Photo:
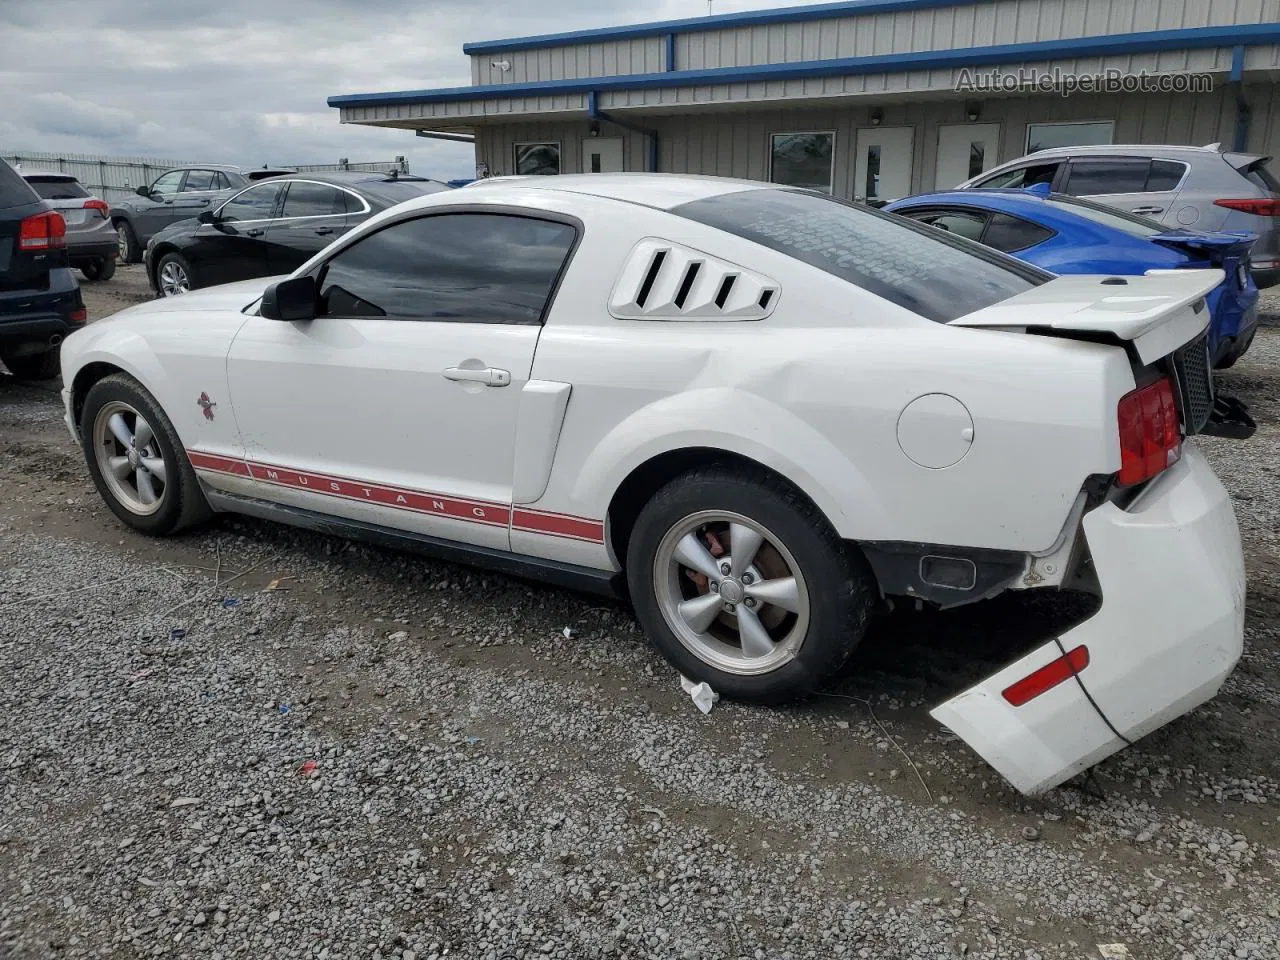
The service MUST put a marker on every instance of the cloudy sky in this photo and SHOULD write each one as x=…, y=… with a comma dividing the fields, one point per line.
x=245, y=81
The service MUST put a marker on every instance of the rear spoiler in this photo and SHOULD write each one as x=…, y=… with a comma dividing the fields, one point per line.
x=1213, y=247
x=1242, y=161
x=1157, y=313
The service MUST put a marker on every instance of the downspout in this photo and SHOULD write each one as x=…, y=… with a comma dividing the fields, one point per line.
x=1241, y=140
x=595, y=113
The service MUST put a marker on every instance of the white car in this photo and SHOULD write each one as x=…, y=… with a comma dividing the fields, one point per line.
x=756, y=410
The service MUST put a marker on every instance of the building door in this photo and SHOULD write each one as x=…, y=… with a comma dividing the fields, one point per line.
x=964, y=151
x=883, y=167
x=602, y=155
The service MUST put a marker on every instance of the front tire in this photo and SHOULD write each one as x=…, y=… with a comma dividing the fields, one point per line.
x=35, y=366
x=137, y=461
x=99, y=270
x=127, y=243
x=739, y=581
x=173, y=275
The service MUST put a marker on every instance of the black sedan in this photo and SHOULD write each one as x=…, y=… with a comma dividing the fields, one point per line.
x=272, y=227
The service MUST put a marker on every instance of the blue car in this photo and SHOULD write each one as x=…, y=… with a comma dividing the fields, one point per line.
x=1069, y=235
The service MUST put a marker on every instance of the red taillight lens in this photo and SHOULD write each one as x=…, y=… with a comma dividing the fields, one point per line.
x=1259, y=206
x=1047, y=677
x=44, y=231
x=1150, y=437
x=99, y=205
x=79, y=315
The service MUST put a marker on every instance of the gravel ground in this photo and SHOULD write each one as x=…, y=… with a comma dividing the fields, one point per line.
x=253, y=742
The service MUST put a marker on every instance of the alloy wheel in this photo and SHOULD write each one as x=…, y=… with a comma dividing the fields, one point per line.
x=174, y=279
x=731, y=592
x=129, y=458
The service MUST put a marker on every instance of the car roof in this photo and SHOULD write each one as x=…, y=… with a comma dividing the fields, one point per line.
x=47, y=174
x=349, y=177
x=662, y=191
x=1129, y=150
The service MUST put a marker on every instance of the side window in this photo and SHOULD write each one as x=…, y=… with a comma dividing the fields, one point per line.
x=955, y=222
x=468, y=268
x=256, y=203
x=1088, y=178
x=199, y=180
x=168, y=184
x=1022, y=177
x=306, y=199
x=1165, y=175
x=1011, y=234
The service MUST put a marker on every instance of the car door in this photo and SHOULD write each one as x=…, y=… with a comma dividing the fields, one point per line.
x=197, y=193
x=233, y=247
x=153, y=210
x=1134, y=184
x=314, y=215
x=397, y=405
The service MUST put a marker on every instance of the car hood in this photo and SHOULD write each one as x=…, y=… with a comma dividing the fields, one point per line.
x=228, y=296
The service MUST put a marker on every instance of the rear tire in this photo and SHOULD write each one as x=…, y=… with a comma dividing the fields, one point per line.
x=127, y=243
x=137, y=461
x=99, y=270
x=770, y=631
x=34, y=366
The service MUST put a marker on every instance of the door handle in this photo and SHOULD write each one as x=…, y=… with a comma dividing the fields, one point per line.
x=489, y=376
x=324, y=230
x=255, y=232
x=1147, y=210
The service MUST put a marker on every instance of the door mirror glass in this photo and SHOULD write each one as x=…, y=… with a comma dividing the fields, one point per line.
x=143, y=191
x=292, y=299
x=207, y=216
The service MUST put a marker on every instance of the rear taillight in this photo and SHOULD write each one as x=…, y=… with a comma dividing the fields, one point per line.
x=44, y=231
x=1150, y=436
x=1047, y=677
x=79, y=315
x=99, y=205
x=1259, y=206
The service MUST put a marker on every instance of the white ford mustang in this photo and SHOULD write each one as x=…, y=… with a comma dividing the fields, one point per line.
x=756, y=410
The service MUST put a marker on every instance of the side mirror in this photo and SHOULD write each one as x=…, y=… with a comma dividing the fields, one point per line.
x=207, y=216
x=292, y=299
x=144, y=191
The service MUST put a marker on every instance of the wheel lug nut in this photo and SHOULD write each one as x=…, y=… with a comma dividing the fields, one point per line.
x=730, y=607
x=747, y=578
x=724, y=568
x=715, y=587
x=750, y=602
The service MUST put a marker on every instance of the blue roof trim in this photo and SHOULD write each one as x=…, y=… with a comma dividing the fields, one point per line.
x=822, y=11
x=1193, y=38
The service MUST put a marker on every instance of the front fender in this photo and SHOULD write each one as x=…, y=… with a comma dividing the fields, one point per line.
x=747, y=425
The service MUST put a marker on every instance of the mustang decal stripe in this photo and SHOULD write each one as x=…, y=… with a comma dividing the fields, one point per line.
x=414, y=501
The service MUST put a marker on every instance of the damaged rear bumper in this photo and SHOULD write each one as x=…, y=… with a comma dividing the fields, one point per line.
x=1169, y=632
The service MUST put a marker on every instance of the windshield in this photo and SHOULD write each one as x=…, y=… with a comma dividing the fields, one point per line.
x=912, y=265
x=57, y=188
x=1130, y=223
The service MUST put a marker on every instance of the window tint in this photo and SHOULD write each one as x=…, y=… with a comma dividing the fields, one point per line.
x=57, y=188
x=314, y=200
x=1097, y=177
x=14, y=191
x=1130, y=223
x=1010, y=233
x=909, y=264
x=802, y=160
x=1165, y=175
x=200, y=180
x=955, y=222
x=391, y=192
x=469, y=268
x=537, y=159
x=1022, y=177
x=256, y=203
x=168, y=183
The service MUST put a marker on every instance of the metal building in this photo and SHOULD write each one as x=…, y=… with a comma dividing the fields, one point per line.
x=868, y=98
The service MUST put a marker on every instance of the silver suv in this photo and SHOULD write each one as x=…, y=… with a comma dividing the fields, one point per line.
x=1203, y=188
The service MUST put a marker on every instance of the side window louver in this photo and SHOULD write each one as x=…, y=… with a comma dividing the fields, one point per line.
x=667, y=281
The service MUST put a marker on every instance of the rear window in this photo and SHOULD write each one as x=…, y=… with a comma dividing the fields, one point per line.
x=14, y=191
x=54, y=188
x=392, y=192
x=912, y=265
x=1130, y=223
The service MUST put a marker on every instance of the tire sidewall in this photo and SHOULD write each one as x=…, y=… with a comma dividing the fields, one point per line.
x=840, y=598
x=130, y=242
x=122, y=388
x=174, y=257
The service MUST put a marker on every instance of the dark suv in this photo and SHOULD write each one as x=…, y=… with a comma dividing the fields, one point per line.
x=40, y=300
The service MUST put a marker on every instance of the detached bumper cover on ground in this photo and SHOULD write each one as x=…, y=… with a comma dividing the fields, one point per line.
x=1169, y=632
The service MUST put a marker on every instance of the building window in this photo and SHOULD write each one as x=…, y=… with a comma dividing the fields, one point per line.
x=1043, y=136
x=802, y=160
x=537, y=159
